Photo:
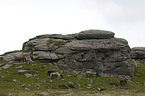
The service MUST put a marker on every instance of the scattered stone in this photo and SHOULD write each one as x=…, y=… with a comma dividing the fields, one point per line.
x=70, y=89
x=91, y=80
x=89, y=85
x=37, y=78
x=19, y=67
x=37, y=71
x=2, y=76
x=79, y=85
x=144, y=83
x=69, y=76
x=101, y=89
x=28, y=75
x=14, y=80
x=18, y=83
x=22, y=70
x=70, y=82
x=37, y=85
x=35, y=75
x=27, y=88
x=2, y=65
x=51, y=81
x=6, y=66
x=22, y=85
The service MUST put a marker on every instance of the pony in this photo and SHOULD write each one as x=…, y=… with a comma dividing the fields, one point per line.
x=55, y=74
x=123, y=82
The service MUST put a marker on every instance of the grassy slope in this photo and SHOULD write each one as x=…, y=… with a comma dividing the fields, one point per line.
x=43, y=84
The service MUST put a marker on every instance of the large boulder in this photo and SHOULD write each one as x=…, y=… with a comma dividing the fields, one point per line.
x=8, y=58
x=95, y=50
x=95, y=34
x=138, y=53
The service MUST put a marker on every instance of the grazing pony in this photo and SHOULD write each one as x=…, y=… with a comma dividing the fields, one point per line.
x=49, y=72
x=123, y=82
x=55, y=74
x=22, y=59
x=90, y=74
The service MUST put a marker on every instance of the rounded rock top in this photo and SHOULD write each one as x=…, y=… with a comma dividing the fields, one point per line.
x=95, y=34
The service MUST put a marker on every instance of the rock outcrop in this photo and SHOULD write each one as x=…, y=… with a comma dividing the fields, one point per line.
x=138, y=53
x=95, y=50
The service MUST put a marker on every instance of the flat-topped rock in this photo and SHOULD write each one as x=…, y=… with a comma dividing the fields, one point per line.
x=95, y=34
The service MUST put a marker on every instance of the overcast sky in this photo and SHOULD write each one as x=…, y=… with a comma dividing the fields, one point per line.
x=21, y=20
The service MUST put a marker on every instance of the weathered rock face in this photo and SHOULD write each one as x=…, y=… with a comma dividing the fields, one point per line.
x=105, y=56
x=138, y=53
x=7, y=58
x=95, y=50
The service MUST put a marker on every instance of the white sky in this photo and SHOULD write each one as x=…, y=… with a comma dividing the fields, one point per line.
x=21, y=20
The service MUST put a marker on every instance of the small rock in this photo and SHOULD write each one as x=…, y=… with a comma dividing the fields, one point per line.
x=27, y=88
x=19, y=67
x=91, y=80
x=70, y=82
x=69, y=76
x=144, y=83
x=22, y=70
x=23, y=85
x=28, y=75
x=18, y=83
x=51, y=80
x=101, y=89
x=89, y=85
x=35, y=75
x=14, y=80
x=2, y=65
x=37, y=78
x=37, y=85
x=2, y=76
x=6, y=66
x=37, y=71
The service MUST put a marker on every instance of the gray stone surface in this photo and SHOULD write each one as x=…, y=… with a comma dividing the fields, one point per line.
x=95, y=34
x=1, y=57
x=6, y=66
x=43, y=44
x=42, y=55
x=28, y=75
x=95, y=50
x=138, y=53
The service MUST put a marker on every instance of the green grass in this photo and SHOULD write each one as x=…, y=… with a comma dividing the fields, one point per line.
x=111, y=84
x=57, y=43
x=15, y=51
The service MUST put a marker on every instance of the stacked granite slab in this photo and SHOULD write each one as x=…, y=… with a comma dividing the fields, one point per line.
x=96, y=50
